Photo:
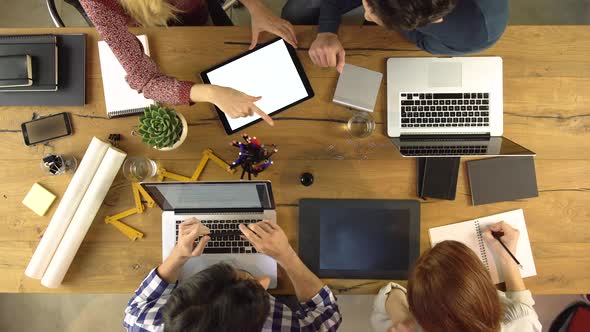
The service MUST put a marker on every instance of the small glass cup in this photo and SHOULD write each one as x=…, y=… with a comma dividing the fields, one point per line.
x=57, y=164
x=361, y=124
x=139, y=168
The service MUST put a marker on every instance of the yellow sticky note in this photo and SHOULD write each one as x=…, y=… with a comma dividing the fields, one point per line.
x=39, y=199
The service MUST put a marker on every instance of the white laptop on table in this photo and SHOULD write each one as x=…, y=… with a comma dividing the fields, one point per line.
x=221, y=206
x=450, y=106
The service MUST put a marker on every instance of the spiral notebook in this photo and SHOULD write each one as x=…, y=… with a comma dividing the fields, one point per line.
x=470, y=233
x=120, y=99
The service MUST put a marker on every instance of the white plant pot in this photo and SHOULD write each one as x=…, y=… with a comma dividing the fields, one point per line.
x=182, y=136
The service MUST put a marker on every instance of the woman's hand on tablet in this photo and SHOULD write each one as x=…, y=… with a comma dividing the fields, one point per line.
x=233, y=103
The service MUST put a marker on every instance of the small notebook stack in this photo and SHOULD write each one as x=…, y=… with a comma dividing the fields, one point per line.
x=470, y=233
x=28, y=63
x=437, y=177
x=15, y=71
x=120, y=99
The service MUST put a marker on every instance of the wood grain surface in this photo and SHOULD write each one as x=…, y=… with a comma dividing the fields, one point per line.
x=546, y=98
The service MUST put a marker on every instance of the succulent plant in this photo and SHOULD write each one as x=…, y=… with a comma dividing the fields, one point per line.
x=159, y=126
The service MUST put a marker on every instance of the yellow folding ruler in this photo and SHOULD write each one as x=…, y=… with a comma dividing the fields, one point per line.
x=139, y=193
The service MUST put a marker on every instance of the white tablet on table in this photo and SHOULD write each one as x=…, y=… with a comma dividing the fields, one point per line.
x=272, y=71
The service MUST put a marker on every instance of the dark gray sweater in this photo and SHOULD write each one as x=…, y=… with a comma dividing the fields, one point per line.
x=472, y=26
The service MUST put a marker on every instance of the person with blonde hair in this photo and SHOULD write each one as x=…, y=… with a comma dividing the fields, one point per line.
x=113, y=17
x=449, y=289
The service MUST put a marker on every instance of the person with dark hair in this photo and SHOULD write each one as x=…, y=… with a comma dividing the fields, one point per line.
x=448, y=27
x=222, y=298
x=449, y=289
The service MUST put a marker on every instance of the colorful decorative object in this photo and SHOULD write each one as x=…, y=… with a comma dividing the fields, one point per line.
x=253, y=157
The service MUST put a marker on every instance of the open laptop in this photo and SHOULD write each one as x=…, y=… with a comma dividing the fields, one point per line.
x=221, y=206
x=449, y=106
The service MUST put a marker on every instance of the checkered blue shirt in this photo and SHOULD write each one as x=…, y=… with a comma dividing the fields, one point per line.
x=320, y=313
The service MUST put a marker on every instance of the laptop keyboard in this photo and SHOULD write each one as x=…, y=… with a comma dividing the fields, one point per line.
x=227, y=244
x=422, y=110
x=443, y=150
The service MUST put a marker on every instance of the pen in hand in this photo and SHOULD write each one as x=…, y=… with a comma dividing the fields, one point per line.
x=497, y=236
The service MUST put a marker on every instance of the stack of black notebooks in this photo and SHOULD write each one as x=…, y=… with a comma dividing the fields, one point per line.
x=42, y=70
x=31, y=56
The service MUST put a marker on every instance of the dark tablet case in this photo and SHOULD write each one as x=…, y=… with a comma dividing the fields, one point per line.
x=71, y=78
x=310, y=238
x=438, y=178
x=502, y=179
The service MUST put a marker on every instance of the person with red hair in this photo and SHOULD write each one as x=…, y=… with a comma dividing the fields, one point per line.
x=449, y=289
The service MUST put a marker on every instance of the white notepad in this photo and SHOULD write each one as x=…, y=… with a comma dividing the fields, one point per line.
x=120, y=98
x=470, y=233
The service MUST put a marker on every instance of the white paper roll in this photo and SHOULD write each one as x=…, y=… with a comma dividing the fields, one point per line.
x=72, y=239
x=66, y=209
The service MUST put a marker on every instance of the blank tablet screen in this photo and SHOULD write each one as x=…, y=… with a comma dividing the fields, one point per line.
x=364, y=239
x=268, y=72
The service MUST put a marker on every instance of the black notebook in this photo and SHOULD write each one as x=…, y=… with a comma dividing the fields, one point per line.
x=43, y=52
x=502, y=179
x=437, y=177
x=72, y=78
x=15, y=71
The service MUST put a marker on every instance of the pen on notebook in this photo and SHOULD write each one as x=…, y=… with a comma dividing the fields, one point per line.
x=497, y=236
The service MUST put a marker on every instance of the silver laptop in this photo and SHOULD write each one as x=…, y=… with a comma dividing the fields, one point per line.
x=221, y=206
x=449, y=106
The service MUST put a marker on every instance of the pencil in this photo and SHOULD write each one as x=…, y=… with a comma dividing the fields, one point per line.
x=508, y=251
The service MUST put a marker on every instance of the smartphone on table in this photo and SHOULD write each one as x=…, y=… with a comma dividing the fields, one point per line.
x=46, y=128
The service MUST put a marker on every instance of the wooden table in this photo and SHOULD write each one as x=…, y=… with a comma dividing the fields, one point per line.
x=546, y=98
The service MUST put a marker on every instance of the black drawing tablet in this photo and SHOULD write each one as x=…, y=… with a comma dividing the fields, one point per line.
x=359, y=239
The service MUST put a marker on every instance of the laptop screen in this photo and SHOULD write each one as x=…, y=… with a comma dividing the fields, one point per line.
x=211, y=195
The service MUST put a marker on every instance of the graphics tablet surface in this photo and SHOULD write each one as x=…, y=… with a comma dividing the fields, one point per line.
x=359, y=239
x=271, y=71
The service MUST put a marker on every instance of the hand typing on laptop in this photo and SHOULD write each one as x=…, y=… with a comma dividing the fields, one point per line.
x=269, y=239
x=220, y=296
x=185, y=248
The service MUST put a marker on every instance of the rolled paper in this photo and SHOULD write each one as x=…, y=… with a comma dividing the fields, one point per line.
x=66, y=209
x=85, y=214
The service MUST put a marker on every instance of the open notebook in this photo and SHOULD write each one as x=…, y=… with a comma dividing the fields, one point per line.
x=470, y=233
x=120, y=99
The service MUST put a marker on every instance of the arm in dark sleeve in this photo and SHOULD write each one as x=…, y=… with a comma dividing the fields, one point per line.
x=330, y=14
x=431, y=44
x=111, y=21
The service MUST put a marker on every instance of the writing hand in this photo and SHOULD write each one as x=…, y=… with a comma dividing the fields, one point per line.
x=507, y=233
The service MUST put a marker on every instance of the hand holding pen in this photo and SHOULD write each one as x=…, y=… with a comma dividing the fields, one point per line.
x=503, y=239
